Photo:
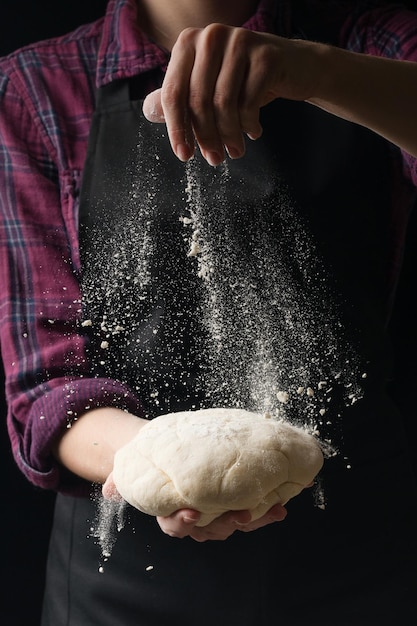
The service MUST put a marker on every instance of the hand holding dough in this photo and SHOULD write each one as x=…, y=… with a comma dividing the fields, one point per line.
x=213, y=461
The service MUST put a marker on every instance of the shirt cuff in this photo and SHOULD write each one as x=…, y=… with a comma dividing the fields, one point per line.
x=51, y=414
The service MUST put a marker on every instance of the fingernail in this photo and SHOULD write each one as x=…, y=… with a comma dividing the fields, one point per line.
x=183, y=152
x=279, y=518
x=233, y=152
x=213, y=158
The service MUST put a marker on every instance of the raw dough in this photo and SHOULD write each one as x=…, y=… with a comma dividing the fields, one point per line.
x=215, y=460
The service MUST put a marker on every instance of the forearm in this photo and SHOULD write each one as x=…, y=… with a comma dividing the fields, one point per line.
x=375, y=92
x=87, y=448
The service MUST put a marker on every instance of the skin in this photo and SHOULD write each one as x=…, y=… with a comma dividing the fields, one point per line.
x=88, y=450
x=218, y=78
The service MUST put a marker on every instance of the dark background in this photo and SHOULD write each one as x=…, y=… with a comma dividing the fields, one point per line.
x=26, y=511
x=26, y=21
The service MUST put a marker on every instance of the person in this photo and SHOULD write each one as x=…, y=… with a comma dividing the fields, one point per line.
x=101, y=307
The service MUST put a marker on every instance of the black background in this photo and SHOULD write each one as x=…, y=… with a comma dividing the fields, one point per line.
x=26, y=511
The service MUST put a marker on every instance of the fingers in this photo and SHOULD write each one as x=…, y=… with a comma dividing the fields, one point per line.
x=218, y=79
x=277, y=513
x=232, y=521
x=222, y=527
x=213, y=102
x=182, y=523
x=175, y=95
x=152, y=107
x=109, y=490
x=213, y=89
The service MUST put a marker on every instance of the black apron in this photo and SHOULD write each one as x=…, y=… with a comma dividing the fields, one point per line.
x=292, y=258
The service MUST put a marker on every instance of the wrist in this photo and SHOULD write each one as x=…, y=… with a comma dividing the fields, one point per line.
x=87, y=448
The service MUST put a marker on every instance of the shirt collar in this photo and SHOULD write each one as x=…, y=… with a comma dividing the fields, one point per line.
x=126, y=51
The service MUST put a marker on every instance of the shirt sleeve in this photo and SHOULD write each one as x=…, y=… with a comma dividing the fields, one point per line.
x=389, y=32
x=44, y=349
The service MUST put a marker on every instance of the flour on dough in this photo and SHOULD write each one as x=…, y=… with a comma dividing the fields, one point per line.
x=215, y=460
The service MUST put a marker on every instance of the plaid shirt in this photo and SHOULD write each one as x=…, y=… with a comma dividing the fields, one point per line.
x=46, y=104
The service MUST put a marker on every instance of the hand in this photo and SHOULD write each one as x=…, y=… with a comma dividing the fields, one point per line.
x=109, y=490
x=218, y=79
x=182, y=523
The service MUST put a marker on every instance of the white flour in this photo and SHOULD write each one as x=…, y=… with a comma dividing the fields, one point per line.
x=274, y=339
x=109, y=521
x=276, y=343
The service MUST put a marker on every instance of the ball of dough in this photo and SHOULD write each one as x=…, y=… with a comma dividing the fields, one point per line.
x=215, y=460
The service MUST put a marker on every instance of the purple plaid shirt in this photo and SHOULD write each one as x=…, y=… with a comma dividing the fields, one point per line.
x=46, y=104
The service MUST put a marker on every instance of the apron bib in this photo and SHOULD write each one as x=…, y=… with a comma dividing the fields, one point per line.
x=245, y=285
x=195, y=277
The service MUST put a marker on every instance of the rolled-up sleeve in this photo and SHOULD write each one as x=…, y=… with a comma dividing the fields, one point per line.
x=43, y=343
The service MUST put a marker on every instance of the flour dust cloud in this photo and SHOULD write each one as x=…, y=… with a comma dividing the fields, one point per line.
x=205, y=289
x=275, y=340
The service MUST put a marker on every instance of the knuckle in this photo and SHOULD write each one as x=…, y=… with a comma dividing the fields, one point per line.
x=188, y=36
x=241, y=43
x=199, y=102
x=214, y=33
x=224, y=102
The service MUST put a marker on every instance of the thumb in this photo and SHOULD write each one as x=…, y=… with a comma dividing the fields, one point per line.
x=109, y=490
x=152, y=107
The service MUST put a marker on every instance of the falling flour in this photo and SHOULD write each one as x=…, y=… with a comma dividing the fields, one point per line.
x=273, y=340
x=276, y=343
x=110, y=519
